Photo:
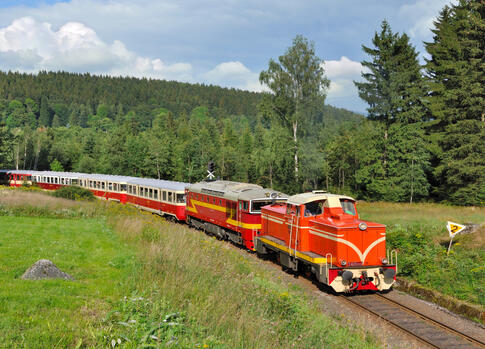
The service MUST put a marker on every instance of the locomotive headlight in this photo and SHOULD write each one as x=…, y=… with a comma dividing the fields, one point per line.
x=362, y=226
x=384, y=261
x=343, y=262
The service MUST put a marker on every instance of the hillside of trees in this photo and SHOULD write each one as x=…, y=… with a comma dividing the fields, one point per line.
x=150, y=128
x=422, y=140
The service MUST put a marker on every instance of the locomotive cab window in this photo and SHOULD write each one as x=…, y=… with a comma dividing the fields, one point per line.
x=257, y=204
x=348, y=206
x=314, y=208
x=293, y=210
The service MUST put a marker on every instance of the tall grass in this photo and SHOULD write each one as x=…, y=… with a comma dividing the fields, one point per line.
x=419, y=233
x=142, y=282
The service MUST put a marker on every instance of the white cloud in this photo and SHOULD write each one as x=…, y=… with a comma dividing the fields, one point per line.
x=234, y=74
x=342, y=67
x=342, y=73
x=28, y=45
x=423, y=13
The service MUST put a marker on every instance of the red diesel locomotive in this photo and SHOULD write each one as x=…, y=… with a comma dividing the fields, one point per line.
x=322, y=234
x=229, y=210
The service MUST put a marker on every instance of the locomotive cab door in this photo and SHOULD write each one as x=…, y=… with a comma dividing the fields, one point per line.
x=292, y=223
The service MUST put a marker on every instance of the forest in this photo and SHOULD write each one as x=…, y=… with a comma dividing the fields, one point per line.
x=423, y=138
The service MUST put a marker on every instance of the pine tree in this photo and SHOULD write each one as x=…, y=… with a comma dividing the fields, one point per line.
x=45, y=114
x=394, y=89
x=456, y=72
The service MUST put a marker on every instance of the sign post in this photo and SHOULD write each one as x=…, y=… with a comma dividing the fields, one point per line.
x=453, y=229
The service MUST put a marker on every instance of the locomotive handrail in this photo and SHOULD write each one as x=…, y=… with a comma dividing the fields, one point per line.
x=291, y=233
x=394, y=260
x=327, y=266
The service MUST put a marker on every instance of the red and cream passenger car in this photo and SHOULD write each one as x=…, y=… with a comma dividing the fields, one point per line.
x=166, y=198
x=321, y=233
x=229, y=210
x=50, y=180
x=17, y=178
x=103, y=186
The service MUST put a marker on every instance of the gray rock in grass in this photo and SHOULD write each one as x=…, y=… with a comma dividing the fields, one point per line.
x=45, y=269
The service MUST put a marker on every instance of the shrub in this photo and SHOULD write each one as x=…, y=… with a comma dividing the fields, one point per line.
x=74, y=193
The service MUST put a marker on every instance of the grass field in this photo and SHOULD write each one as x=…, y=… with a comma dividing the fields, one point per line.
x=55, y=313
x=142, y=282
x=419, y=233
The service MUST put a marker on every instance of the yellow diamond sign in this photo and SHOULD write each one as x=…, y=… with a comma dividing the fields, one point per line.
x=454, y=228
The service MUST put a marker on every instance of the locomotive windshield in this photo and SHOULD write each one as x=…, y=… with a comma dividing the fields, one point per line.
x=257, y=204
x=348, y=206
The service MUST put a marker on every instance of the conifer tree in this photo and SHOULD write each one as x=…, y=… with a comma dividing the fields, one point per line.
x=45, y=115
x=394, y=89
x=456, y=72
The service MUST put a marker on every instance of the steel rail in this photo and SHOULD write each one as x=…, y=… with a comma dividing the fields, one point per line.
x=403, y=325
x=447, y=328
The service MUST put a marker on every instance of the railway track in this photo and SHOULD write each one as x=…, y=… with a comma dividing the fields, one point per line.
x=427, y=330
x=421, y=327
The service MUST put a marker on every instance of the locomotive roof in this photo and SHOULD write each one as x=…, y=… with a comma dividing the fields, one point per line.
x=304, y=198
x=158, y=183
x=234, y=190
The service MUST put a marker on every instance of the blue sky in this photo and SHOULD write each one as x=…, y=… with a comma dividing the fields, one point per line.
x=214, y=41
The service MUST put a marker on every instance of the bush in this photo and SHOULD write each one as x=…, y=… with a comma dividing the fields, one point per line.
x=74, y=193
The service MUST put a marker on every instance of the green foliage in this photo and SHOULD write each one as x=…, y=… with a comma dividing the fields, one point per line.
x=457, y=85
x=396, y=163
x=74, y=193
x=56, y=166
x=298, y=86
x=418, y=232
x=45, y=114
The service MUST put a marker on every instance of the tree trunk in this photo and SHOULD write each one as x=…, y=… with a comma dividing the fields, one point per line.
x=412, y=182
x=295, y=140
x=37, y=153
x=25, y=152
x=270, y=175
x=17, y=157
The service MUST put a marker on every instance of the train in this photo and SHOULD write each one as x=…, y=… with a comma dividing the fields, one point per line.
x=314, y=233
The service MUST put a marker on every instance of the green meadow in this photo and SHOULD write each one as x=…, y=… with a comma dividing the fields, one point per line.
x=142, y=282
x=419, y=233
